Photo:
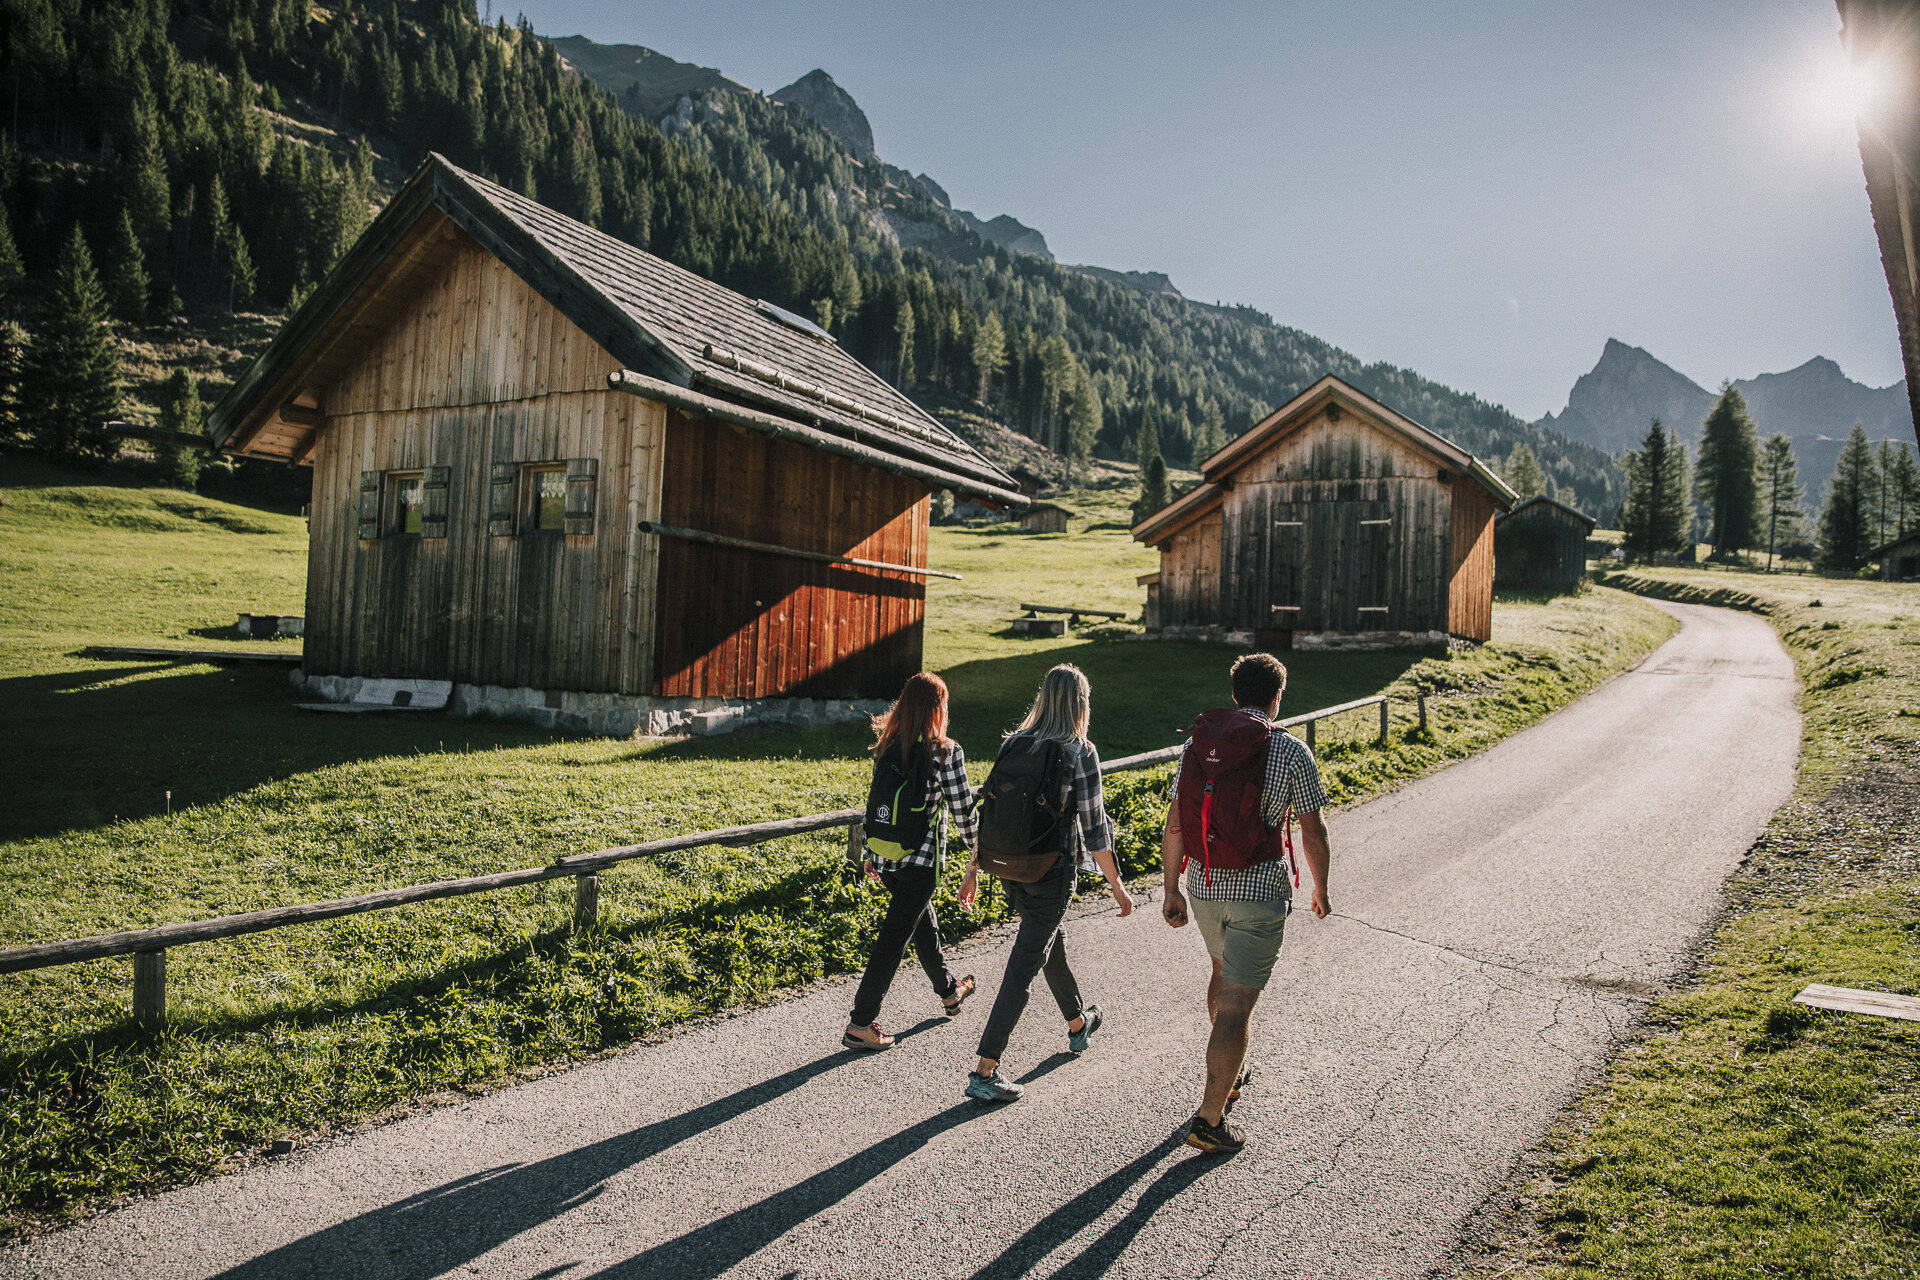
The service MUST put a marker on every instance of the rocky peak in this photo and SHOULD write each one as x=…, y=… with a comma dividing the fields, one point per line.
x=816, y=94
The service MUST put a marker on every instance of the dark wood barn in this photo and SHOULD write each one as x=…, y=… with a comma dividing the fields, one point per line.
x=1541, y=545
x=1335, y=521
x=1899, y=559
x=1044, y=517
x=538, y=454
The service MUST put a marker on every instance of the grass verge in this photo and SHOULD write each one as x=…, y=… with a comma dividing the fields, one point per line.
x=1745, y=1135
x=307, y=1029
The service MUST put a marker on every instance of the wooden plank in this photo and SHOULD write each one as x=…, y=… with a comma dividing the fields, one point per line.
x=1879, y=1004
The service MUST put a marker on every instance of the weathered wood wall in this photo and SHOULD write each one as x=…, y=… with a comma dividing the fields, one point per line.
x=1543, y=548
x=478, y=370
x=748, y=624
x=1190, y=575
x=1470, y=592
x=1339, y=526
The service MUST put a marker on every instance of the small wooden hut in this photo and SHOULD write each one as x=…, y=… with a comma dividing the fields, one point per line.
x=1541, y=545
x=582, y=482
x=1899, y=559
x=1335, y=522
x=1044, y=517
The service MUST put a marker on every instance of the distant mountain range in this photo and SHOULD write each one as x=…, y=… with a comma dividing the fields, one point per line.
x=1814, y=405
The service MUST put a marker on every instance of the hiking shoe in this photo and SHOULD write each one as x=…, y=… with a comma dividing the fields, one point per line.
x=993, y=1088
x=1240, y=1082
x=869, y=1037
x=1089, y=1023
x=1221, y=1139
x=962, y=988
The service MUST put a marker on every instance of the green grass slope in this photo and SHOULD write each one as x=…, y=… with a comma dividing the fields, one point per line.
x=306, y=1029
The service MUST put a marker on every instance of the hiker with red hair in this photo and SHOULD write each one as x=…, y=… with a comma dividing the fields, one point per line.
x=919, y=777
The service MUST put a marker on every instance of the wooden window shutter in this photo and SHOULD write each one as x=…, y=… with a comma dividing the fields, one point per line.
x=433, y=502
x=369, y=505
x=583, y=476
x=500, y=506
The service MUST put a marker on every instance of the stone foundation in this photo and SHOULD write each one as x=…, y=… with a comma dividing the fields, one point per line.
x=620, y=715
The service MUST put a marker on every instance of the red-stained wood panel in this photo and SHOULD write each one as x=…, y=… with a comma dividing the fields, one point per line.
x=1470, y=586
x=747, y=624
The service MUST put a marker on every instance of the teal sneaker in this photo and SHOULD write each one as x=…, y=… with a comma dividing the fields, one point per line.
x=1090, y=1023
x=993, y=1088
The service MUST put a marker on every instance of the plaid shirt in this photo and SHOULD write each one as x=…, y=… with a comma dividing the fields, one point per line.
x=1292, y=782
x=950, y=792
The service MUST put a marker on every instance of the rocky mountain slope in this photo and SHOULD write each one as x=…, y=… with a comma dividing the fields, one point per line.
x=1813, y=405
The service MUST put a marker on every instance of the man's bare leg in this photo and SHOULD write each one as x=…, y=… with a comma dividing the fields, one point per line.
x=1213, y=990
x=1227, y=1046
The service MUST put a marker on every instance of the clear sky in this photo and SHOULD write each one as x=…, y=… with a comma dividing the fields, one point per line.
x=1483, y=192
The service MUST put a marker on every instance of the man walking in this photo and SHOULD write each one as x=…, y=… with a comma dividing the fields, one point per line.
x=1237, y=886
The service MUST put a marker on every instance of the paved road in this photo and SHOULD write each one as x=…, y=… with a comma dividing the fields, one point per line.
x=1497, y=925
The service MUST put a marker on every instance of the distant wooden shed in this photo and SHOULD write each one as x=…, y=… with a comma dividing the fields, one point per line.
x=1334, y=522
x=1044, y=517
x=1899, y=559
x=1541, y=545
x=568, y=475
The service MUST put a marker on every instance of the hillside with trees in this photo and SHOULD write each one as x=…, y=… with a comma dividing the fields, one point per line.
x=217, y=156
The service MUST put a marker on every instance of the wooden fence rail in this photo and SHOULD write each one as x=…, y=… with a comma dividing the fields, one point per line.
x=149, y=946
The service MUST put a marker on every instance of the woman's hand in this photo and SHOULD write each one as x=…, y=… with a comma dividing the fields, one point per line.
x=969, y=887
x=873, y=872
x=1121, y=898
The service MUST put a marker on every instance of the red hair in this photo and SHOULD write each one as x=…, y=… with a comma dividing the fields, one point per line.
x=920, y=712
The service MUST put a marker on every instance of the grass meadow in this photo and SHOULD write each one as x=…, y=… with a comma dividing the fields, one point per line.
x=307, y=1029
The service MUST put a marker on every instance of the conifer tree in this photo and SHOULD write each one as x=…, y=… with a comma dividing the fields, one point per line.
x=70, y=376
x=903, y=343
x=1656, y=517
x=1211, y=437
x=989, y=353
x=142, y=180
x=1905, y=477
x=1725, y=479
x=13, y=345
x=1522, y=472
x=1780, y=493
x=180, y=413
x=12, y=269
x=1845, y=522
x=1154, y=491
x=1886, y=491
x=128, y=282
x=1084, y=414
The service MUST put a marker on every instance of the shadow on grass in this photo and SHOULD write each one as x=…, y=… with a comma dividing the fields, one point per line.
x=106, y=741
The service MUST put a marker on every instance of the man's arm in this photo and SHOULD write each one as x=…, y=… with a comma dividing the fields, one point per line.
x=1173, y=852
x=1313, y=834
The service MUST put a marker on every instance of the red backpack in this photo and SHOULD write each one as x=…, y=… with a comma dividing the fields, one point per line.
x=1223, y=773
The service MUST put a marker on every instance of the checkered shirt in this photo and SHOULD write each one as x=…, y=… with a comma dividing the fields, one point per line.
x=1293, y=781
x=949, y=792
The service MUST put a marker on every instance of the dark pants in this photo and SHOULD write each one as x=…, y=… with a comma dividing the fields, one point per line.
x=909, y=919
x=1039, y=947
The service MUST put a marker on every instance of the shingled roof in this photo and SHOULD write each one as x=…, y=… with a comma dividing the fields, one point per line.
x=660, y=321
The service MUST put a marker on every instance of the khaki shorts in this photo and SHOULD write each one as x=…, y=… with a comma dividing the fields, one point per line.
x=1243, y=936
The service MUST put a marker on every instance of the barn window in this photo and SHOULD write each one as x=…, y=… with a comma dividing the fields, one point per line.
x=405, y=503
x=547, y=494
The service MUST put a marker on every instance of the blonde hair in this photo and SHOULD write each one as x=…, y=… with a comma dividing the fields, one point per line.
x=1061, y=708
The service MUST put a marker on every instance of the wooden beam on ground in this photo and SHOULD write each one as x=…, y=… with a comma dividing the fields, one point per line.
x=1879, y=1004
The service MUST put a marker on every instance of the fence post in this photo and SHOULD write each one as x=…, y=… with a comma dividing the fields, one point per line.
x=1383, y=722
x=1310, y=725
x=1423, y=712
x=150, y=989
x=586, y=901
x=856, y=841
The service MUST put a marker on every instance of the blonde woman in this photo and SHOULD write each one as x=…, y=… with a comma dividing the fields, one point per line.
x=1058, y=719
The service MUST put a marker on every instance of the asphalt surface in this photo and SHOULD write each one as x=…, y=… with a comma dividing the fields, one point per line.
x=1496, y=926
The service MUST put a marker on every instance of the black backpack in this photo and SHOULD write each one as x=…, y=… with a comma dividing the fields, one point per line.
x=1025, y=806
x=899, y=803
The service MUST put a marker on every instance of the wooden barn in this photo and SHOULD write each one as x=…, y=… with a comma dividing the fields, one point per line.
x=1335, y=522
x=1900, y=559
x=1541, y=545
x=588, y=486
x=1044, y=517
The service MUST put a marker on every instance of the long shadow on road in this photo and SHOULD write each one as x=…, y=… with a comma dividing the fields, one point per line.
x=439, y=1230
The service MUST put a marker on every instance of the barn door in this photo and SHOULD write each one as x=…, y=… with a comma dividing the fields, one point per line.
x=1286, y=561
x=1375, y=605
